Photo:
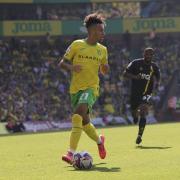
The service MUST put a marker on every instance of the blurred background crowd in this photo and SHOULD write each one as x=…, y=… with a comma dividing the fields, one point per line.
x=56, y=11
x=33, y=87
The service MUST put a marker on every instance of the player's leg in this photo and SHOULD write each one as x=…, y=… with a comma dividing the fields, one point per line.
x=135, y=115
x=82, y=103
x=134, y=108
x=74, y=137
x=135, y=103
x=90, y=130
x=88, y=127
x=142, y=123
x=76, y=130
x=89, y=99
x=77, y=125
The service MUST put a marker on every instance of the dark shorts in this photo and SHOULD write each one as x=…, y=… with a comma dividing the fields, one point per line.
x=137, y=100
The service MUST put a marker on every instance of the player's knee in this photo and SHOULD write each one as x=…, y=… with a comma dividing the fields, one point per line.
x=85, y=121
x=77, y=120
x=143, y=110
x=82, y=109
x=143, y=113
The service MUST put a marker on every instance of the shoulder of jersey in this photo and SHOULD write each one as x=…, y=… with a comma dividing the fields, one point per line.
x=153, y=63
x=137, y=60
x=78, y=41
x=102, y=46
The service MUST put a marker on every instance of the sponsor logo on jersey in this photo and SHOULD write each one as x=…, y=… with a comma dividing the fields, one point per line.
x=145, y=76
x=88, y=57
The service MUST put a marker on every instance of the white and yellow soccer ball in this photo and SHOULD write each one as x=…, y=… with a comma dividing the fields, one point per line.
x=82, y=160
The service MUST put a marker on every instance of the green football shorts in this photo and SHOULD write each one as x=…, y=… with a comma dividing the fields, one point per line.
x=83, y=97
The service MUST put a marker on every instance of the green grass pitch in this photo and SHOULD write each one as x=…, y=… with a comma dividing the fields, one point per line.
x=38, y=156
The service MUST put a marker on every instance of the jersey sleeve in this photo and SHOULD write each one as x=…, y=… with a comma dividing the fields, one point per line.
x=105, y=57
x=131, y=67
x=70, y=52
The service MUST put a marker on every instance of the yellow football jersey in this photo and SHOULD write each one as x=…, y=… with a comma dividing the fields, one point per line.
x=90, y=57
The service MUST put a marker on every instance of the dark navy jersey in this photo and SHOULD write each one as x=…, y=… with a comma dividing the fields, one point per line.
x=144, y=85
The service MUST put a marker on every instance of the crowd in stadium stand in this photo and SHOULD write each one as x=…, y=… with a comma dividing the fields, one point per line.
x=34, y=88
x=164, y=8
x=79, y=10
x=61, y=11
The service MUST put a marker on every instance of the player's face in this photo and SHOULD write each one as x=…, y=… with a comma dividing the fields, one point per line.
x=98, y=32
x=148, y=55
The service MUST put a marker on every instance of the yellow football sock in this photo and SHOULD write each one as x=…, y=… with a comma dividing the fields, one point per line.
x=76, y=131
x=90, y=130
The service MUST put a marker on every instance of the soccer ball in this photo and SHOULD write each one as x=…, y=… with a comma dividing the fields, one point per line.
x=82, y=160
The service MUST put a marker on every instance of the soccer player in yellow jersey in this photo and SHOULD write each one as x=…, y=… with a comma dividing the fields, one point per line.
x=85, y=58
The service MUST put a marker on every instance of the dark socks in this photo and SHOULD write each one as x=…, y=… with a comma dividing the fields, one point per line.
x=142, y=124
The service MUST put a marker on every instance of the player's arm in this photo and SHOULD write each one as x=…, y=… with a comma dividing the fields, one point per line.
x=129, y=72
x=65, y=64
x=130, y=75
x=104, y=67
x=67, y=61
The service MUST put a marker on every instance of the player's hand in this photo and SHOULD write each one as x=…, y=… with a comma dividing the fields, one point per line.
x=76, y=68
x=144, y=109
x=104, y=68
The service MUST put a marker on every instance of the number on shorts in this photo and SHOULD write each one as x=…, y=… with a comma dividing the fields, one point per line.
x=84, y=97
x=146, y=98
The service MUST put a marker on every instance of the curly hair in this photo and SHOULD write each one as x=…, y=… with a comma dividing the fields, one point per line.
x=93, y=19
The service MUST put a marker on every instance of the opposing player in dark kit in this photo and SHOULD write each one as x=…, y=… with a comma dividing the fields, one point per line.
x=145, y=75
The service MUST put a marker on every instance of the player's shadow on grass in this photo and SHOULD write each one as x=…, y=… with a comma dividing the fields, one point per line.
x=96, y=167
x=153, y=147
